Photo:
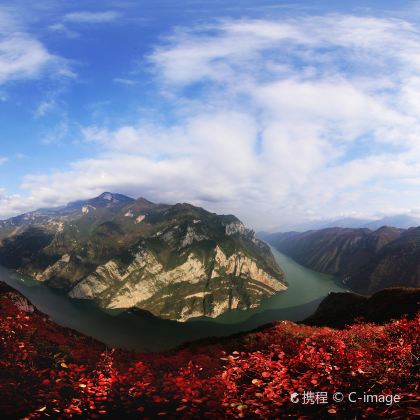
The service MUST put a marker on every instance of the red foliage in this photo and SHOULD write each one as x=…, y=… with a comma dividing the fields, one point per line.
x=46, y=370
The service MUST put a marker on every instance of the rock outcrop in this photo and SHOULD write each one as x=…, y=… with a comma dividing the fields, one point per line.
x=239, y=265
x=235, y=227
x=146, y=284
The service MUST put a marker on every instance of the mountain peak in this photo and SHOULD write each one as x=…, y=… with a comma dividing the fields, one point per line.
x=113, y=197
x=106, y=199
x=144, y=201
x=107, y=196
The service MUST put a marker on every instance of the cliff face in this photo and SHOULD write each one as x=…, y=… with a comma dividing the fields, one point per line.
x=177, y=262
x=366, y=261
x=188, y=290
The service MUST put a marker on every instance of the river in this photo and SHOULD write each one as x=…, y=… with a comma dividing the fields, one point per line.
x=137, y=331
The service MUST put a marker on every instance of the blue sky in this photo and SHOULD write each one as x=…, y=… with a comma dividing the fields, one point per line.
x=276, y=111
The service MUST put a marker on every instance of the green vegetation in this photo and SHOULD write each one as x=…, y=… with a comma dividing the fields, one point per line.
x=160, y=258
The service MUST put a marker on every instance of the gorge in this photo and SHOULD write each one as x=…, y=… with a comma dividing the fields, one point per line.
x=140, y=331
x=176, y=262
x=365, y=260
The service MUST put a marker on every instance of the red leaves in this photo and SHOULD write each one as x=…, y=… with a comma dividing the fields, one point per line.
x=362, y=357
x=48, y=370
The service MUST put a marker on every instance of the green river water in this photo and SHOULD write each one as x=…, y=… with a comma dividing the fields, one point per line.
x=141, y=332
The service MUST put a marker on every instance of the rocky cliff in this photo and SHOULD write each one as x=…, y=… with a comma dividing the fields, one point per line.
x=178, y=262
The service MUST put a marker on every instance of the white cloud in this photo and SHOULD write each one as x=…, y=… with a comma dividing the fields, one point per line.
x=70, y=20
x=61, y=28
x=123, y=81
x=44, y=108
x=92, y=17
x=275, y=121
x=3, y=160
x=22, y=56
x=56, y=134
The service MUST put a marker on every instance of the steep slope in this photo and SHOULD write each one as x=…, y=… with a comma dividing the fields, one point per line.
x=340, y=309
x=334, y=250
x=366, y=261
x=396, y=264
x=177, y=262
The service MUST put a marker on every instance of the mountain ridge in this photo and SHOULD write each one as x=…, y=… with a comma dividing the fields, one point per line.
x=401, y=221
x=366, y=261
x=176, y=261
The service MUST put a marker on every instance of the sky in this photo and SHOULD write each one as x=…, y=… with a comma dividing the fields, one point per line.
x=278, y=112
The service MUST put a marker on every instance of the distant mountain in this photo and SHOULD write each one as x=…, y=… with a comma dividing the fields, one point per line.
x=365, y=260
x=399, y=221
x=176, y=262
x=276, y=238
x=347, y=222
x=106, y=199
x=334, y=250
x=106, y=203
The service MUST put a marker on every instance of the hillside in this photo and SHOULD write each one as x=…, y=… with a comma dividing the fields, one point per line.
x=49, y=371
x=340, y=309
x=366, y=261
x=176, y=262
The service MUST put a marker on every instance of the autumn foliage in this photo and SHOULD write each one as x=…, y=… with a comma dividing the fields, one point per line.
x=50, y=371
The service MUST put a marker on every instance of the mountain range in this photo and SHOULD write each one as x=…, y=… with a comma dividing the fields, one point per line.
x=175, y=261
x=365, y=260
x=402, y=221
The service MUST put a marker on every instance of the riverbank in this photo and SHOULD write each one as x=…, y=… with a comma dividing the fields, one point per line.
x=141, y=332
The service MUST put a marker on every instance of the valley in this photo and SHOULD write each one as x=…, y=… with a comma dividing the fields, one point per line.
x=142, y=332
x=209, y=210
x=366, y=261
x=175, y=261
x=149, y=277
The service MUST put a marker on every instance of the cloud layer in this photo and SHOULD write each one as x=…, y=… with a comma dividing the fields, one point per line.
x=276, y=121
x=22, y=56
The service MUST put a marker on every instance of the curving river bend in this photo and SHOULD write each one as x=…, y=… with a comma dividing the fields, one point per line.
x=141, y=332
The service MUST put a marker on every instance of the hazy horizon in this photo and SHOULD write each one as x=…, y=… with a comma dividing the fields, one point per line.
x=308, y=224
x=280, y=113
